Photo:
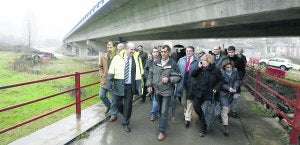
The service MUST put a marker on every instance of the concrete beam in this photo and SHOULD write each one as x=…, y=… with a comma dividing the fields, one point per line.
x=178, y=19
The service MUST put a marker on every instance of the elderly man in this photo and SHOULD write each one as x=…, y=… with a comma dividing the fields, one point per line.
x=120, y=48
x=219, y=57
x=113, y=107
x=124, y=75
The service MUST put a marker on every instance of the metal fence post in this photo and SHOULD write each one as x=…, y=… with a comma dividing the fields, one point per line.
x=296, y=121
x=257, y=86
x=77, y=95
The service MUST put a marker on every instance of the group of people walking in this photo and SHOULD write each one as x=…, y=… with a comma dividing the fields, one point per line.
x=166, y=75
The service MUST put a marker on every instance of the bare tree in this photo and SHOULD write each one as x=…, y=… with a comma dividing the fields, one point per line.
x=29, y=33
x=29, y=29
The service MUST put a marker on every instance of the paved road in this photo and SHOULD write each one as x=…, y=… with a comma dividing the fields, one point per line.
x=144, y=132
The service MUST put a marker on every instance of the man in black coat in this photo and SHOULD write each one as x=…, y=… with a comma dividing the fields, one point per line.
x=239, y=65
x=243, y=62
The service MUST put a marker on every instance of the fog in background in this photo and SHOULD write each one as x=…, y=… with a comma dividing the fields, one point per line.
x=49, y=20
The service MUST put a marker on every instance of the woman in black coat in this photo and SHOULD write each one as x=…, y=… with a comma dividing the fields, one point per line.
x=208, y=82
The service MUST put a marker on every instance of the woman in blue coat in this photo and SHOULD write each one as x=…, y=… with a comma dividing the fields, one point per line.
x=230, y=86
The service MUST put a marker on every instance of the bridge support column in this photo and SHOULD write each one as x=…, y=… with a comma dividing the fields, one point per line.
x=74, y=49
x=82, y=46
x=101, y=46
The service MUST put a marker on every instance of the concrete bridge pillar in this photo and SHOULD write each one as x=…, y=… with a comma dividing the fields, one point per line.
x=100, y=46
x=74, y=48
x=82, y=46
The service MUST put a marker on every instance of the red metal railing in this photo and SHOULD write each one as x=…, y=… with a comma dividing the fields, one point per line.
x=256, y=84
x=77, y=103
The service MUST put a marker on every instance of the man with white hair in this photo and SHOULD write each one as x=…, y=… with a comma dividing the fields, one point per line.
x=124, y=77
x=113, y=107
x=120, y=48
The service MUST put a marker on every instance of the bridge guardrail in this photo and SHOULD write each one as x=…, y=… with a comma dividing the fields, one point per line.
x=90, y=13
x=279, y=94
x=77, y=88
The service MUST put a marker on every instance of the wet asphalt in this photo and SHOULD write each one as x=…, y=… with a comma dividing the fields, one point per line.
x=144, y=131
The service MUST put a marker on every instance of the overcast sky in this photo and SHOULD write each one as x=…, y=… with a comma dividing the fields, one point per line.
x=51, y=19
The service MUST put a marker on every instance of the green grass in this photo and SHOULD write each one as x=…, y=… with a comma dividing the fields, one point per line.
x=260, y=111
x=293, y=76
x=21, y=94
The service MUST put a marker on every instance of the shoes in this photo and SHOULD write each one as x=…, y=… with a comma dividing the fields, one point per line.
x=113, y=118
x=152, y=118
x=173, y=118
x=127, y=128
x=161, y=136
x=201, y=134
x=187, y=124
x=142, y=101
x=234, y=115
x=107, y=111
x=226, y=130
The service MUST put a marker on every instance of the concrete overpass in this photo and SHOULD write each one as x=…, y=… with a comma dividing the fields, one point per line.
x=132, y=20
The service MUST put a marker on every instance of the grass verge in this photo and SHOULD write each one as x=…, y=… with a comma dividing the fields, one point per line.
x=21, y=94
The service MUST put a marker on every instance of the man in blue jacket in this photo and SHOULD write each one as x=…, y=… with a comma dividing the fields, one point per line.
x=186, y=64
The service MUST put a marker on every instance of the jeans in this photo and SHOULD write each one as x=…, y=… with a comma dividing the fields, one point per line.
x=113, y=106
x=103, y=96
x=154, y=107
x=173, y=105
x=164, y=103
